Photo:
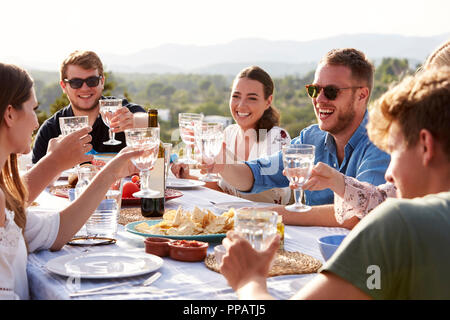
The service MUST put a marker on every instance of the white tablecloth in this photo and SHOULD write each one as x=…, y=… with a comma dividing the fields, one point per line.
x=179, y=280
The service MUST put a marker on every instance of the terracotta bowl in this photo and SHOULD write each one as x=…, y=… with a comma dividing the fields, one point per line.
x=157, y=246
x=191, y=251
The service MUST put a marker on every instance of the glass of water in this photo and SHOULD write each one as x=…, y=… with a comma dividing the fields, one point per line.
x=258, y=227
x=187, y=123
x=67, y=125
x=107, y=109
x=209, y=138
x=103, y=222
x=146, y=139
x=298, y=160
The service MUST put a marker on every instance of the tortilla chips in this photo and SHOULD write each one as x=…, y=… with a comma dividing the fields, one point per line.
x=183, y=223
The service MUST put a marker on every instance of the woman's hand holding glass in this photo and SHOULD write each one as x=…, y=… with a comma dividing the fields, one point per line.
x=187, y=123
x=146, y=140
x=69, y=125
x=209, y=140
x=70, y=150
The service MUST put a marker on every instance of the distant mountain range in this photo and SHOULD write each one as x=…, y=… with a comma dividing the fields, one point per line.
x=277, y=57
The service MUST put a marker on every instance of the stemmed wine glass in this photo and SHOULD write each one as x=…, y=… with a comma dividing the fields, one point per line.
x=298, y=162
x=187, y=122
x=209, y=138
x=107, y=109
x=146, y=139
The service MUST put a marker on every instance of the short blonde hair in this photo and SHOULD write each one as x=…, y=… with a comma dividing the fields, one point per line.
x=419, y=102
x=439, y=57
x=85, y=59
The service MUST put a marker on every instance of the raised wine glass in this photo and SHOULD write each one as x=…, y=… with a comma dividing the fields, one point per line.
x=107, y=109
x=209, y=138
x=144, y=139
x=187, y=122
x=298, y=160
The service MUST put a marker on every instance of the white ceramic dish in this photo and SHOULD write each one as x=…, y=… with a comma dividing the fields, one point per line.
x=241, y=204
x=183, y=183
x=104, y=265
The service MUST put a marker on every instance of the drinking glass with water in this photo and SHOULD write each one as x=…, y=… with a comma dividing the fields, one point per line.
x=256, y=226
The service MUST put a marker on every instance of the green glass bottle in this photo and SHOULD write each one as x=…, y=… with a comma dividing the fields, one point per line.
x=154, y=207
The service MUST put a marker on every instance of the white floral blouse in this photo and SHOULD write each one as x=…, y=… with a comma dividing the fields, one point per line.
x=360, y=198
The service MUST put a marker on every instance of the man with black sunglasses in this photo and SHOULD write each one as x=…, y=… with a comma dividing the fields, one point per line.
x=82, y=80
x=340, y=94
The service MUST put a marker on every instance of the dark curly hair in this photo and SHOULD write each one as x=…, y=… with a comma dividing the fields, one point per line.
x=271, y=116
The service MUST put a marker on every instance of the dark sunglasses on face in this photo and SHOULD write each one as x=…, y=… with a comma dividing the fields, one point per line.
x=331, y=92
x=77, y=83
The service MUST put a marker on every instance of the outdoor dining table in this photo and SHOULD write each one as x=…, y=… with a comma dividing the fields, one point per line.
x=179, y=280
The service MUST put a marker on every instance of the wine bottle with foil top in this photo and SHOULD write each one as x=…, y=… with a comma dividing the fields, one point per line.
x=154, y=207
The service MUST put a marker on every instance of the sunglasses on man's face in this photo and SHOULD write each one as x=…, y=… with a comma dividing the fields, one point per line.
x=331, y=92
x=77, y=83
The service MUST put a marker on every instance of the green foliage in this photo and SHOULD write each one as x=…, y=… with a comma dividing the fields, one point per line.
x=209, y=94
x=59, y=103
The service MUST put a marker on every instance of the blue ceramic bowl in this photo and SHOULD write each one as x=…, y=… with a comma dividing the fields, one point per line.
x=329, y=244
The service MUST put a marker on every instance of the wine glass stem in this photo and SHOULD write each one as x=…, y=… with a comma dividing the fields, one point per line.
x=143, y=178
x=298, y=193
x=189, y=151
x=111, y=135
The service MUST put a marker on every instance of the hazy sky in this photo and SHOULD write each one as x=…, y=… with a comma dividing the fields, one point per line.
x=47, y=30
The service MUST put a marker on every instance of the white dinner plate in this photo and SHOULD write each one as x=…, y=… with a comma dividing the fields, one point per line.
x=241, y=204
x=183, y=183
x=104, y=265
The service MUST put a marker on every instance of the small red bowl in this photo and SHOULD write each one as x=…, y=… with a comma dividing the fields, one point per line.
x=157, y=246
x=190, y=251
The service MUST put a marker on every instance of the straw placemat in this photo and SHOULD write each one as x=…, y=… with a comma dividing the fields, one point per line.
x=131, y=214
x=286, y=262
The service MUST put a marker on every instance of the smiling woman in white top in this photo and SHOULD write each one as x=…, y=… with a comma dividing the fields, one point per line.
x=256, y=132
x=20, y=230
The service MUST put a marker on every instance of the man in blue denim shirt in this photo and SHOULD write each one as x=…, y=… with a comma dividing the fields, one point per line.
x=340, y=93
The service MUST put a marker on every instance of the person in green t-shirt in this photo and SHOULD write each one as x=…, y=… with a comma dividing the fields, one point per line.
x=400, y=250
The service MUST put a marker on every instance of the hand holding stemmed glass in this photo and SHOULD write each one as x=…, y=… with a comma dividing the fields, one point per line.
x=146, y=139
x=187, y=123
x=209, y=139
x=107, y=109
x=298, y=161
